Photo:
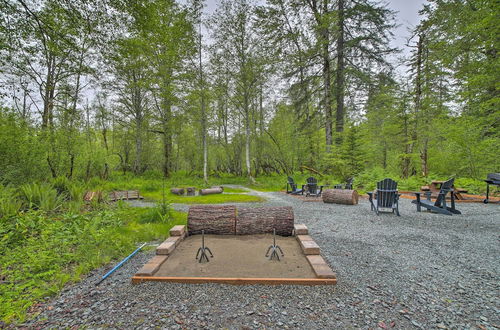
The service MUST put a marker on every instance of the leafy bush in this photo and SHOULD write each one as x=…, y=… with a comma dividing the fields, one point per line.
x=473, y=186
x=10, y=204
x=75, y=191
x=41, y=197
x=161, y=213
x=40, y=255
x=61, y=184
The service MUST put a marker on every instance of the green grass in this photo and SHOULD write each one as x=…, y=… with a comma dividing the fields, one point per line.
x=151, y=186
x=151, y=189
x=42, y=252
x=206, y=199
x=235, y=190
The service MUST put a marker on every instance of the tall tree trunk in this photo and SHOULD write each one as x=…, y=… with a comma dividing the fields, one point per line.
x=138, y=116
x=48, y=95
x=166, y=155
x=167, y=139
x=247, y=139
x=406, y=159
x=327, y=89
x=340, y=76
x=424, y=157
x=324, y=42
x=203, y=115
x=138, y=148
x=418, y=93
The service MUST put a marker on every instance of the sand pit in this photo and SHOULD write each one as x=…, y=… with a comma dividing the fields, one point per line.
x=238, y=259
x=237, y=256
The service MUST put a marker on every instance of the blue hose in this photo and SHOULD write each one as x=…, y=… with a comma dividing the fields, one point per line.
x=120, y=264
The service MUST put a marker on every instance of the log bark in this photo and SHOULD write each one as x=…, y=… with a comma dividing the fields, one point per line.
x=177, y=191
x=214, y=219
x=340, y=196
x=263, y=219
x=210, y=191
x=190, y=191
x=218, y=187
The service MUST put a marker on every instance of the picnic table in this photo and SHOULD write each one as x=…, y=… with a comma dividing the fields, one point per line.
x=435, y=186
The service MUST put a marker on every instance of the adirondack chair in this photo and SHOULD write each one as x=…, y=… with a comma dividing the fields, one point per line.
x=347, y=185
x=312, y=188
x=439, y=205
x=291, y=187
x=386, y=196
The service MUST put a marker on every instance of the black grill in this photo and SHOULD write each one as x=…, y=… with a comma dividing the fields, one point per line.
x=491, y=179
x=494, y=177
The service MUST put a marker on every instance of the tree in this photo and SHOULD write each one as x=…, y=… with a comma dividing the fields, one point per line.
x=234, y=37
x=130, y=83
x=165, y=39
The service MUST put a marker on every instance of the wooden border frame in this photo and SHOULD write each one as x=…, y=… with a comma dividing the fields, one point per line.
x=318, y=268
x=237, y=280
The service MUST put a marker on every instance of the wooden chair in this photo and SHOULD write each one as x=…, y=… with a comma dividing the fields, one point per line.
x=386, y=195
x=347, y=185
x=291, y=187
x=439, y=205
x=312, y=188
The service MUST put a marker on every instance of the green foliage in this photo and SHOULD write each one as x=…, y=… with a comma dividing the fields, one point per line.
x=161, y=213
x=41, y=196
x=10, y=203
x=61, y=184
x=21, y=152
x=439, y=121
x=43, y=253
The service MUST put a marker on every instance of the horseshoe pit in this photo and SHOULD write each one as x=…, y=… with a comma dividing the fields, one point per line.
x=239, y=239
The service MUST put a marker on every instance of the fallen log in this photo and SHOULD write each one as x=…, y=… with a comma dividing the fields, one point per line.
x=340, y=196
x=262, y=220
x=214, y=219
x=190, y=191
x=210, y=191
x=177, y=191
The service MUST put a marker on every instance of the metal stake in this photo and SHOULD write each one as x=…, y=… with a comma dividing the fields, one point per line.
x=202, y=251
x=274, y=248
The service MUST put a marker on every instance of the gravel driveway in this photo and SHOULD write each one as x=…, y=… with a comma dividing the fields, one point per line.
x=419, y=270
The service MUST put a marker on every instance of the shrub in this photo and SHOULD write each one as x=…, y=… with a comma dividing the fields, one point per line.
x=161, y=213
x=41, y=197
x=10, y=204
x=42, y=255
x=61, y=184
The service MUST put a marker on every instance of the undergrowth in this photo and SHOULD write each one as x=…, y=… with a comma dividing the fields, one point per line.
x=41, y=251
x=151, y=186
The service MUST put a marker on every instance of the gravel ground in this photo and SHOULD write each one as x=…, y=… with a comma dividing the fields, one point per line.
x=419, y=270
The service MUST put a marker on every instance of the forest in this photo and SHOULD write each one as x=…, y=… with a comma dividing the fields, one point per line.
x=139, y=94
x=89, y=89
